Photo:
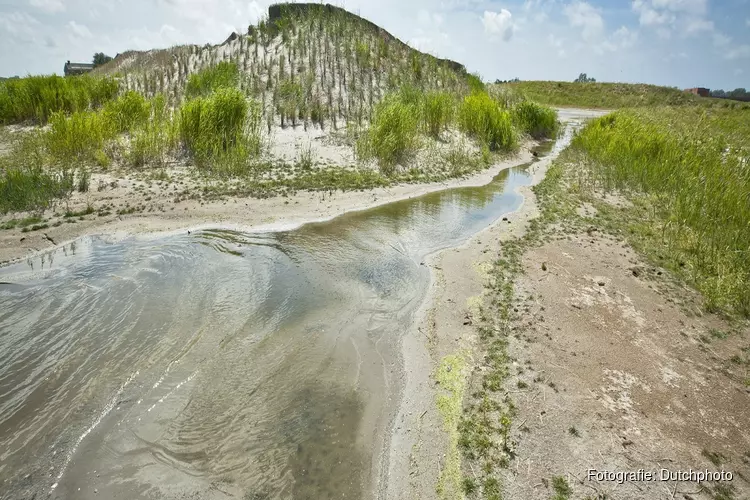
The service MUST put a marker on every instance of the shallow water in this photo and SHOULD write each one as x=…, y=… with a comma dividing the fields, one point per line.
x=220, y=364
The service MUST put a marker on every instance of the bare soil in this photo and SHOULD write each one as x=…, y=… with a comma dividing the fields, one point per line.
x=620, y=374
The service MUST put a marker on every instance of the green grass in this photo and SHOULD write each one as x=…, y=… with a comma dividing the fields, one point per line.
x=222, y=129
x=76, y=138
x=225, y=74
x=25, y=183
x=561, y=488
x=127, y=112
x=687, y=172
x=30, y=188
x=37, y=98
x=438, y=111
x=158, y=136
x=535, y=120
x=612, y=95
x=482, y=117
x=393, y=135
x=451, y=377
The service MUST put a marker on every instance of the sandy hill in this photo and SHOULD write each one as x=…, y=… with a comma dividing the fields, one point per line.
x=307, y=62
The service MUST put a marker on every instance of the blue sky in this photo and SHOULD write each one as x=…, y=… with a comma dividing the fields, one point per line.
x=683, y=43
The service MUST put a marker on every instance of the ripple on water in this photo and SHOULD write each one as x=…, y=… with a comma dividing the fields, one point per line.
x=258, y=365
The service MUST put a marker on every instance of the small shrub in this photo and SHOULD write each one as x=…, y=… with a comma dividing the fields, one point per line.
x=562, y=489
x=84, y=179
x=536, y=120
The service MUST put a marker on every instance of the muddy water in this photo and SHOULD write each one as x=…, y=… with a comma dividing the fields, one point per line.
x=220, y=364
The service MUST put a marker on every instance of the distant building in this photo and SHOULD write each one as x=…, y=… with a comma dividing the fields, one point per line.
x=77, y=68
x=699, y=91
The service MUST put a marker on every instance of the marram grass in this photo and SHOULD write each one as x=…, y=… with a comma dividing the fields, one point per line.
x=534, y=119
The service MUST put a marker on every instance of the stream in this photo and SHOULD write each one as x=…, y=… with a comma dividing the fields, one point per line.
x=222, y=364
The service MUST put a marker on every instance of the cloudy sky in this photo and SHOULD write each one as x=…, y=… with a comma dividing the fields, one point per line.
x=683, y=43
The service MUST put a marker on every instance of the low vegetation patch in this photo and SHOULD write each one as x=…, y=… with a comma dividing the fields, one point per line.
x=482, y=117
x=393, y=136
x=613, y=95
x=224, y=75
x=535, y=120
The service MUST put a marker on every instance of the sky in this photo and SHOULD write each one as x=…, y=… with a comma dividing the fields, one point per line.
x=681, y=43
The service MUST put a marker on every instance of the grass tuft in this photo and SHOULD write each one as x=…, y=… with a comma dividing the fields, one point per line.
x=37, y=98
x=481, y=117
x=540, y=122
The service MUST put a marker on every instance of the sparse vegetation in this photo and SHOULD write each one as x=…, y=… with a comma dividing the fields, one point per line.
x=561, y=488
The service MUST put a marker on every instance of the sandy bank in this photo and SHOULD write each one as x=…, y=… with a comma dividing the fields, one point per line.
x=233, y=213
x=419, y=445
x=445, y=327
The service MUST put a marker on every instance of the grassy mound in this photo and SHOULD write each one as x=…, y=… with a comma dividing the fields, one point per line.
x=612, y=95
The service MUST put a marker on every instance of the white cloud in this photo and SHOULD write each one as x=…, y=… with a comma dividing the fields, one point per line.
x=558, y=44
x=20, y=26
x=499, y=24
x=49, y=6
x=624, y=37
x=721, y=40
x=583, y=15
x=648, y=16
x=79, y=30
x=695, y=26
x=429, y=20
x=697, y=7
x=739, y=52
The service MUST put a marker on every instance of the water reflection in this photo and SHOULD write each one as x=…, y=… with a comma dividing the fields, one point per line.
x=219, y=364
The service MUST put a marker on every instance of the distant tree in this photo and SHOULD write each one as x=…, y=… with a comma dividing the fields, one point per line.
x=583, y=78
x=514, y=80
x=101, y=58
x=739, y=94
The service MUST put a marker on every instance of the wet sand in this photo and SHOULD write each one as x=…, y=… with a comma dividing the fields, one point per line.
x=242, y=214
x=419, y=443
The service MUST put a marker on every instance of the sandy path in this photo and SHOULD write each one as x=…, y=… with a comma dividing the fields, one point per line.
x=419, y=442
